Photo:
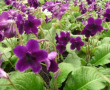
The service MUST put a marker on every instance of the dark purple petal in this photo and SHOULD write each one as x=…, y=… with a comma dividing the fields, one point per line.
x=78, y=39
x=20, y=51
x=62, y=34
x=22, y=65
x=72, y=46
x=34, y=30
x=41, y=55
x=98, y=21
x=37, y=22
x=32, y=45
x=53, y=66
x=90, y=20
x=108, y=11
x=72, y=40
x=30, y=17
x=78, y=48
x=36, y=67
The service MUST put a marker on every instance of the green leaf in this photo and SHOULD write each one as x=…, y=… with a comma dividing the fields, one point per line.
x=102, y=55
x=66, y=68
x=85, y=78
x=27, y=81
x=73, y=59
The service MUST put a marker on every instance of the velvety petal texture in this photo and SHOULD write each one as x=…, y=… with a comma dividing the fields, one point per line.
x=30, y=56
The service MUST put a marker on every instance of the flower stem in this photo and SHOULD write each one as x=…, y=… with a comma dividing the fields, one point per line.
x=43, y=81
x=12, y=84
x=5, y=84
x=19, y=36
x=56, y=84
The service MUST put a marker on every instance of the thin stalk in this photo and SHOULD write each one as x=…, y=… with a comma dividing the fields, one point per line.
x=5, y=84
x=56, y=83
x=19, y=36
x=12, y=84
x=43, y=81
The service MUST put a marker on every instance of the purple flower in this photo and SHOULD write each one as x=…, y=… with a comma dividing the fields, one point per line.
x=30, y=56
x=20, y=23
x=10, y=31
x=94, y=25
x=76, y=43
x=31, y=24
x=50, y=62
x=3, y=20
x=63, y=38
x=107, y=14
x=33, y=3
x=61, y=48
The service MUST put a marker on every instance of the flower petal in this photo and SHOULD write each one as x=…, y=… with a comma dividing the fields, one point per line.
x=41, y=55
x=34, y=30
x=37, y=22
x=90, y=20
x=53, y=66
x=22, y=65
x=36, y=67
x=78, y=39
x=32, y=45
x=98, y=21
x=20, y=51
x=52, y=55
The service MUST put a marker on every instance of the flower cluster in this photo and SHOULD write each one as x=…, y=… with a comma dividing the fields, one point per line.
x=56, y=8
x=63, y=40
x=93, y=26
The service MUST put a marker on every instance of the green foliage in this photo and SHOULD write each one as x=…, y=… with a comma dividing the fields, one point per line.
x=85, y=78
x=26, y=81
x=102, y=55
x=66, y=68
x=73, y=59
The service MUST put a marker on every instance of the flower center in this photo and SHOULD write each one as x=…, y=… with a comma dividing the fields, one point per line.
x=29, y=57
x=93, y=26
x=30, y=24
